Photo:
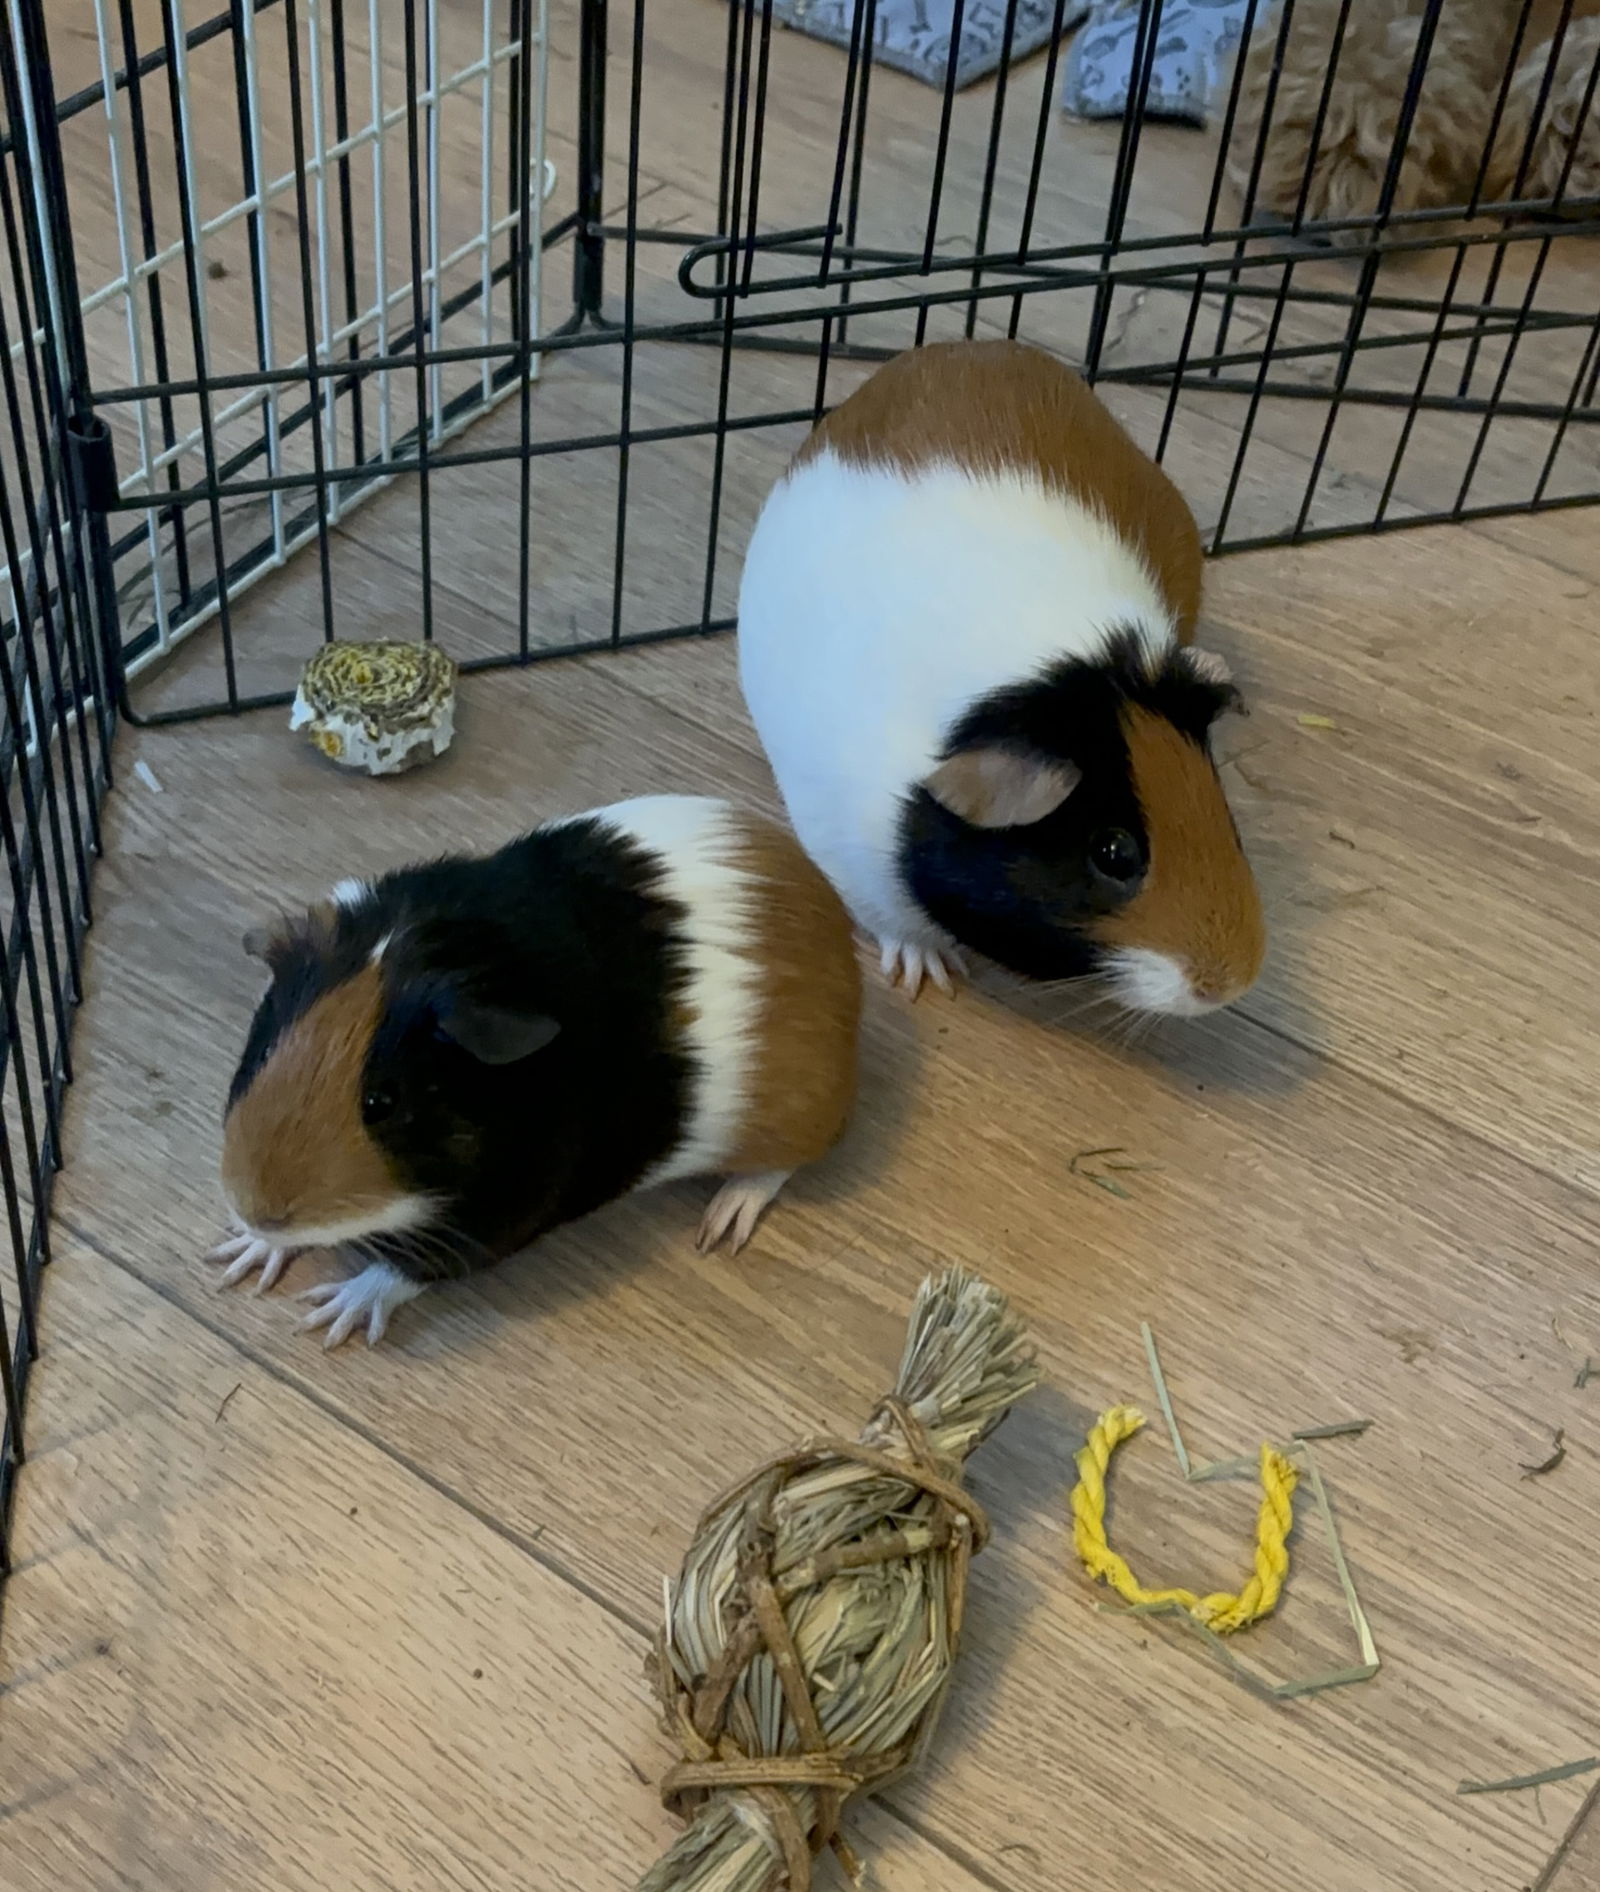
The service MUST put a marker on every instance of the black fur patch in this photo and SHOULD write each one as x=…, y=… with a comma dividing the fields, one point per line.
x=307, y=960
x=569, y=923
x=1023, y=896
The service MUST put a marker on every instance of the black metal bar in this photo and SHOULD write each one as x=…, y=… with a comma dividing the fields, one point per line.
x=1535, y=276
x=255, y=223
x=150, y=244
x=197, y=321
x=1426, y=28
x=1030, y=201
x=567, y=340
x=589, y=251
x=714, y=627
x=1419, y=393
x=381, y=472
x=630, y=271
x=1590, y=356
x=45, y=404
x=1242, y=236
x=1146, y=39
x=941, y=154
x=308, y=298
x=520, y=93
x=757, y=147
x=991, y=162
x=419, y=320
x=858, y=147
x=1535, y=123
x=71, y=662
x=36, y=785
x=347, y=220
x=53, y=686
x=857, y=58
x=742, y=134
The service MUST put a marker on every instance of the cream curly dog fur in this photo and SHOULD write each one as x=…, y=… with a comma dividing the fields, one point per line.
x=1474, y=42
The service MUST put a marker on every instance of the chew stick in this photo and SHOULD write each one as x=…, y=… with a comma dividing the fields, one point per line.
x=810, y=1636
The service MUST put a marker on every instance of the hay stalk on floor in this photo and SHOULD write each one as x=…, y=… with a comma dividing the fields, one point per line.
x=811, y=1633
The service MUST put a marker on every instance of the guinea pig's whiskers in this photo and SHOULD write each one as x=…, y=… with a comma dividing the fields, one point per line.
x=1089, y=1006
x=1142, y=1027
x=444, y=1253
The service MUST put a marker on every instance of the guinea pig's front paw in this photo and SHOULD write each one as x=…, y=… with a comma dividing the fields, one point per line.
x=243, y=1253
x=909, y=965
x=371, y=1296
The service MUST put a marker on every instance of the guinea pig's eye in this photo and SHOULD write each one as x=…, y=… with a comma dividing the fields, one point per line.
x=1116, y=854
x=377, y=1104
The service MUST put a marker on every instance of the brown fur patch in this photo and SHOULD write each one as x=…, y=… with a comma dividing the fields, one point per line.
x=295, y=1151
x=1355, y=120
x=804, y=1081
x=1003, y=407
x=1199, y=903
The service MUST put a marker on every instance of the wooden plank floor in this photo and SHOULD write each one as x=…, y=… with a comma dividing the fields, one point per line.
x=1374, y=1194
x=374, y=1620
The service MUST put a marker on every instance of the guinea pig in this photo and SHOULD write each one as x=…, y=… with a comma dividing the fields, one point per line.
x=964, y=639
x=456, y=1057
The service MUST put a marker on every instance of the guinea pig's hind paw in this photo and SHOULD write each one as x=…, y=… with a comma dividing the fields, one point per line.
x=371, y=1296
x=736, y=1208
x=243, y=1254
x=908, y=965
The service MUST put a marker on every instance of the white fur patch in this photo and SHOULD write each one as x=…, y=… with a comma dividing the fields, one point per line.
x=695, y=841
x=405, y=1212
x=366, y=1300
x=1147, y=981
x=876, y=608
x=351, y=893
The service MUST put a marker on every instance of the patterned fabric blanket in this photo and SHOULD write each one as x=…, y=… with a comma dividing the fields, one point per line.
x=1194, y=42
x=1194, y=47
x=914, y=35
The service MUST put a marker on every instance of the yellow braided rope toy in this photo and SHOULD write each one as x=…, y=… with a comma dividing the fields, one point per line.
x=1221, y=1612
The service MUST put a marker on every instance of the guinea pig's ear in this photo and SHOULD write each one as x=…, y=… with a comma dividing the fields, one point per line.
x=274, y=940
x=1001, y=788
x=494, y=1035
x=260, y=942
x=1209, y=666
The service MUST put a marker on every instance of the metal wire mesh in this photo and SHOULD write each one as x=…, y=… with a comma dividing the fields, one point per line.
x=276, y=263
x=57, y=723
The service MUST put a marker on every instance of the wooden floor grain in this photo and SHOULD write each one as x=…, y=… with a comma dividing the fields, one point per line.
x=285, y=1619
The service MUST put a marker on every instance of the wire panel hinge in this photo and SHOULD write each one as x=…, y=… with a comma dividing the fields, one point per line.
x=94, y=464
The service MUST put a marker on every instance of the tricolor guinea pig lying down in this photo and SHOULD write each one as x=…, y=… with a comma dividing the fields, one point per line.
x=454, y=1058
x=964, y=637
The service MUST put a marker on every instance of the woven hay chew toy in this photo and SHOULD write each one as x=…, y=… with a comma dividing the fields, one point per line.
x=811, y=1633
x=381, y=707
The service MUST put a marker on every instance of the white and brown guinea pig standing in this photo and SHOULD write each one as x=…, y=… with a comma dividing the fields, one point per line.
x=456, y=1057
x=964, y=637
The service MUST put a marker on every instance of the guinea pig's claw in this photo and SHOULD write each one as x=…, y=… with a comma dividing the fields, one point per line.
x=272, y=1268
x=735, y=1209
x=342, y=1306
x=243, y=1255
x=908, y=965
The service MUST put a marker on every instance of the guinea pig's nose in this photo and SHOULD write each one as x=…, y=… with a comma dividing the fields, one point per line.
x=1214, y=987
